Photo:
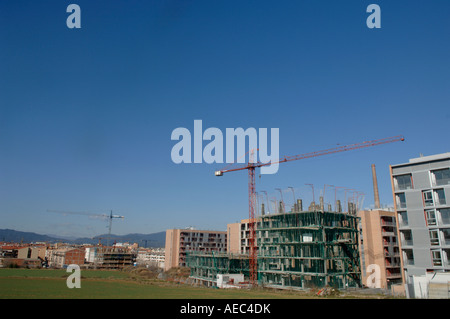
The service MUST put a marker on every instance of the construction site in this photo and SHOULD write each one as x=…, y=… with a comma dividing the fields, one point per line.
x=281, y=245
x=109, y=257
x=308, y=249
x=297, y=249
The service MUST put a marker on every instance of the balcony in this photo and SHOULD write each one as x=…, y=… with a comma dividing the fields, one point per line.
x=408, y=262
x=403, y=224
x=392, y=264
x=391, y=254
x=407, y=242
x=388, y=223
x=388, y=233
x=434, y=242
x=393, y=275
x=387, y=243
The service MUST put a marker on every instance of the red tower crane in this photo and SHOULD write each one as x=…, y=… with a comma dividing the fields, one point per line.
x=251, y=166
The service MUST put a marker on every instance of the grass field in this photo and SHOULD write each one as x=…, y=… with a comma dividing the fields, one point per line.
x=96, y=284
x=51, y=284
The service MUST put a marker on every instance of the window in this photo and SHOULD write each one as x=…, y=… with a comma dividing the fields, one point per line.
x=401, y=200
x=430, y=216
x=436, y=255
x=428, y=198
x=434, y=197
x=402, y=182
x=446, y=235
x=445, y=215
x=387, y=220
x=434, y=237
x=403, y=218
x=439, y=196
x=408, y=257
x=406, y=236
x=446, y=256
x=441, y=177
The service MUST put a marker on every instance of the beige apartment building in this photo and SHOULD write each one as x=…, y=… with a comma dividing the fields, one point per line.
x=233, y=238
x=180, y=241
x=238, y=237
x=379, y=246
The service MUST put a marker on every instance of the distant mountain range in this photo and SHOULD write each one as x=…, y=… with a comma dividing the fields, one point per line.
x=144, y=240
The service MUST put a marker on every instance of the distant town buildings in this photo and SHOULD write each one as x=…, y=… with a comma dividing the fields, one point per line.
x=60, y=257
x=86, y=256
x=14, y=254
x=151, y=257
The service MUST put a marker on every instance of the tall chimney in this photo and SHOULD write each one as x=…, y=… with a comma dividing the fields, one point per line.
x=375, y=188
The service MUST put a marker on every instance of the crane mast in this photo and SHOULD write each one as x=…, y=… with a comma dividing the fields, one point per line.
x=110, y=217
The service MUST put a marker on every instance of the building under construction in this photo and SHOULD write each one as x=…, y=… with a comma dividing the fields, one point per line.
x=205, y=267
x=109, y=257
x=296, y=250
x=308, y=249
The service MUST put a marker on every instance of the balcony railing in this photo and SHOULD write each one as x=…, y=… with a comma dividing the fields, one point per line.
x=393, y=275
x=388, y=233
x=390, y=243
x=394, y=264
x=388, y=223
x=403, y=223
x=407, y=242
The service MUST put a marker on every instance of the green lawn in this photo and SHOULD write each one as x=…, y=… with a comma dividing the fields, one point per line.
x=51, y=284
x=60, y=273
x=48, y=288
x=101, y=284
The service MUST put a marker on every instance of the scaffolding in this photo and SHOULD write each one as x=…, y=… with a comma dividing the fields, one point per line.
x=206, y=266
x=296, y=250
x=309, y=249
x=112, y=258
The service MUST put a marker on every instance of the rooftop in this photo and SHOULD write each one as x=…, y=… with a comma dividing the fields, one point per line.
x=423, y=159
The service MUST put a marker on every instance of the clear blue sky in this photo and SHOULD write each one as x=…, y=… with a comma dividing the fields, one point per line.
x=86, y=114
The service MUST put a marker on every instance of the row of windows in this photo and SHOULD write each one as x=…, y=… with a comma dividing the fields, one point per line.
x=438, y=237
x=430, y=197
x=433, y=217
x=438, y=177
x=439, y=257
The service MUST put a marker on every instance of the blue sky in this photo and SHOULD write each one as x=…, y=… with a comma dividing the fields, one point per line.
x=86, y=114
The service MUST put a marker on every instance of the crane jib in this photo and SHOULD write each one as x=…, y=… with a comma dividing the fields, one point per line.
x=317, y=153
